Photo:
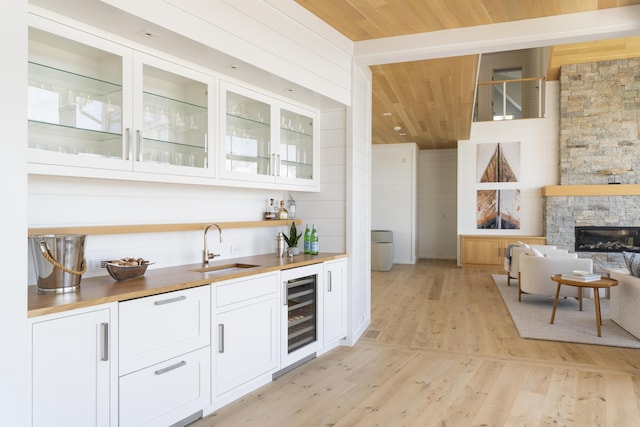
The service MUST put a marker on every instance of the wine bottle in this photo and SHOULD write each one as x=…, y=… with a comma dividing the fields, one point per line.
x=314, y=241
x=307, y=240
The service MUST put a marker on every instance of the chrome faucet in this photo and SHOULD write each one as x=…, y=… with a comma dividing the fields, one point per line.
x=206, y=256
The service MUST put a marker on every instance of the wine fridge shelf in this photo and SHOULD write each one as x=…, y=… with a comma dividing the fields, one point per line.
x=301, y=308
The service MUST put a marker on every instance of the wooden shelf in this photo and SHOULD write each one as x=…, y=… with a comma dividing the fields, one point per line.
x=592, y=190
x=96, y=230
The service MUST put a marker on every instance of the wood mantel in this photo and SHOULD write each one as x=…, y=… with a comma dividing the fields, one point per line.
x=591, y=190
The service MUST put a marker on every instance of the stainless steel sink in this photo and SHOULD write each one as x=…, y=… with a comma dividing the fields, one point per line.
x=225, y=268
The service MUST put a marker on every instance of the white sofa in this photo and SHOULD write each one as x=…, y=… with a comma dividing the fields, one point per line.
x=536, y=272
x=625, y=301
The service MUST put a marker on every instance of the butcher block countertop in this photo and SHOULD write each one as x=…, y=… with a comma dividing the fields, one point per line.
x=104, y=289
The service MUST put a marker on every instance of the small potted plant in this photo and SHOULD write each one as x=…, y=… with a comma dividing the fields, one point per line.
x=292, y=239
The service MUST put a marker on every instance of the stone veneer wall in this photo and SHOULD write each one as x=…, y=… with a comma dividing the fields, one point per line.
x=599, y=128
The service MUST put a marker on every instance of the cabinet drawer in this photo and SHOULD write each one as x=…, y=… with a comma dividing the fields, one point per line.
x=241, y=290
x=163, y=394
x=157, y=328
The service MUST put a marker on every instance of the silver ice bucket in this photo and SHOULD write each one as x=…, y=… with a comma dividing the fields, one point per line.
x=59, y=262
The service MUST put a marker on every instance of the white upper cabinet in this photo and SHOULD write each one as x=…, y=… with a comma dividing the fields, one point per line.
x=77, y=98
x=172, y=118
x=101, y=106
x=104, y=109
x=264, y=140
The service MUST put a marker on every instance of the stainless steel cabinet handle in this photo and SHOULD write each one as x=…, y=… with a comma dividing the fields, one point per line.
x=330, y=281
x=221, y=338
x=127, y=139
x=105, y=341
x=273, y=164
x=278, y=164
x=284, y=292
x=139, y=144
x=170, y=368
x=170, y=300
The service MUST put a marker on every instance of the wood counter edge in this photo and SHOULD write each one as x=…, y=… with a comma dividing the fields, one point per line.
x=113, y=294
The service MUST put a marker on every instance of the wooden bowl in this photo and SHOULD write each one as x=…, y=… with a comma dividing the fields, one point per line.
x=126, y=272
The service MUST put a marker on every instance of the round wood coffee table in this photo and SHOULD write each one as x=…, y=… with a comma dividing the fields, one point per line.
x=603, y=283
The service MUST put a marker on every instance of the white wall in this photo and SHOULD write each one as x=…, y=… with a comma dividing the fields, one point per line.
x=394, y=196
x=539, y=140
x=13, y=184
x=359, y=204
x=60, y=201
x=327, y=209
x=437, y=204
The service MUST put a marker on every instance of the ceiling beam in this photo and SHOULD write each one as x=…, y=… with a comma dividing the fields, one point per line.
x=524, y=34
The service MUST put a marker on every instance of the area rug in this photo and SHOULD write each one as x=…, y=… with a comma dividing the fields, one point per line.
x=531, y=317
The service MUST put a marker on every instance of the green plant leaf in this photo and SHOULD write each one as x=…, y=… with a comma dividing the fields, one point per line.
x=293, y=237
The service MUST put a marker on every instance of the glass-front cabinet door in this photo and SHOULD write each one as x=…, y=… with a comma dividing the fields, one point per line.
x=98, y=105
x=246, y=150
x=262, y=140
x=76, y=100
x=296, y=149
x=172, y=118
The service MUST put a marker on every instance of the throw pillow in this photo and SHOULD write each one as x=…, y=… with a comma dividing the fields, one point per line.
x=535, y=252
x=632, y=259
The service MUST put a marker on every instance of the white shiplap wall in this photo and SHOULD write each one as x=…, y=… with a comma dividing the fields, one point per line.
x=539, y=139
x=437, y=204
x=327, y=209
x=359, y=204
x=59, y=201
x=394, y=196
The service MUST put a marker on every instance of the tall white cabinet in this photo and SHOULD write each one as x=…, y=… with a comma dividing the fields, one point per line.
x=74, y=365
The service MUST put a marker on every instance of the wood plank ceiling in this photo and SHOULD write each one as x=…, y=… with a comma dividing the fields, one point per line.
x=432, y=100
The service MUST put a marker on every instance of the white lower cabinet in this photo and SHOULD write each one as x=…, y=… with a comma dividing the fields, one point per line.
x=74, y=380
x=165, y=357
x=245, y=338
x=334, y=303
x=165, y=393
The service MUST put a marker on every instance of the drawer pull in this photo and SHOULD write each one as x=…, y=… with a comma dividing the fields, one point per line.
x=221, y=338
x=170, y=368
x=170, y=300
x=105, y=341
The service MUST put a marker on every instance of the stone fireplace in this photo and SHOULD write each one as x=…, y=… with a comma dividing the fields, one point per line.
x=599, y=128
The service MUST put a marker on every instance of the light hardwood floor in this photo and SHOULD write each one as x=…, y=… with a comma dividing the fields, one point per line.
x=442, y=351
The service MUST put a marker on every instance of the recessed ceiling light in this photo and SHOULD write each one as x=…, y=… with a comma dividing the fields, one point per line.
x=397, y=128
x=148, y=33
x=402, y=134
x=386, y=114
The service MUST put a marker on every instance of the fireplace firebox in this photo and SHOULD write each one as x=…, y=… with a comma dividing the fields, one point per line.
x=607, y=239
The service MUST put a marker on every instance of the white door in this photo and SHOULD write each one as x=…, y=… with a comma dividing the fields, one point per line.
x=334, y=304
x=71, y=370
x=244, y=347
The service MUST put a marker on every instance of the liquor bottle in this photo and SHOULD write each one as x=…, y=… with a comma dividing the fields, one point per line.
x=314, y=241
x=291, y=207
x=283, y=213
x=307, y=240
x=270, y=212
